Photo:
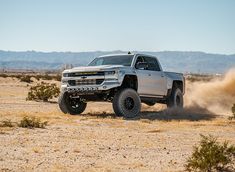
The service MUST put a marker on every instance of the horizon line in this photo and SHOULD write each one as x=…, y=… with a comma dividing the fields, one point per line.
x=134, y=51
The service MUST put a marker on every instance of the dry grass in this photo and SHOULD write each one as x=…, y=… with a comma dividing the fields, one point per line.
x=6, y=123
x=32, y=122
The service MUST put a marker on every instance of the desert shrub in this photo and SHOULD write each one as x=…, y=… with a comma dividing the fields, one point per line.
x=199, y=78
x=3, y=75
x=6, y=123
x=32, y=122
x=18, y=76
x=43, y=92
x=57, y=77
x=26, y=78
x=233, y=113
x=211, y=156
x=47, y=77
x=37, y=77
x=233, y=110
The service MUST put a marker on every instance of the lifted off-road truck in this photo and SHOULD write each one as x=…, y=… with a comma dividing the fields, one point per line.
x=126, y=80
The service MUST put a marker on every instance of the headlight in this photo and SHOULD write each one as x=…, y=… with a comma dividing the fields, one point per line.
x=109, y=73
x=65, y=74
x=121, y=73
x=64, y=81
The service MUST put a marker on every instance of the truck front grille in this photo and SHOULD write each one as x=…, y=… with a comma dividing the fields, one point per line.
x=78, y=74
x=85, y=82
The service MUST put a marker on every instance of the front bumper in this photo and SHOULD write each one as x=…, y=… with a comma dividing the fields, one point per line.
x=106, y=85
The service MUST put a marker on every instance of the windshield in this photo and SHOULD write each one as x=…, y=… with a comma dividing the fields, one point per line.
x=124, y=60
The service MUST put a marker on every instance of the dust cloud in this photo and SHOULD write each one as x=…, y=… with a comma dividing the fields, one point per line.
x=217, y=95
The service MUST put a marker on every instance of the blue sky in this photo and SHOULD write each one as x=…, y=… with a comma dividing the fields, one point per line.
x=89, y=25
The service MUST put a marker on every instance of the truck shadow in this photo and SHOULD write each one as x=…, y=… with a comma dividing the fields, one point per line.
x=190, y=114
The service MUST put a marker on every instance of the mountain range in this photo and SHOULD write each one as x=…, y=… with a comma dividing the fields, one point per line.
x=178, y=61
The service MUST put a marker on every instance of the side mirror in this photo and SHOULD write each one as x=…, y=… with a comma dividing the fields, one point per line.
x=142, y=65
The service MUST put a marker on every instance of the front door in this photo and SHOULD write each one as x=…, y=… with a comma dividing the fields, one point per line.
x=151, y=80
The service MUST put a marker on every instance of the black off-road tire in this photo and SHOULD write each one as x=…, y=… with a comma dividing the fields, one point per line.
x=73, y=106
x=127, y=103
x=176, y=98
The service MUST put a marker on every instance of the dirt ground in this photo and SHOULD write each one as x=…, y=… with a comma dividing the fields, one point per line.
x=159, y=140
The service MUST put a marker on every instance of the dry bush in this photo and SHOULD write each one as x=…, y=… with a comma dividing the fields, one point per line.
x=233, y=111
x=43, y=77
x=6, y=123
x=26, y=78
x=32, y=122
x=18, y=76
x=199, y=78
x=48, y=77
x=3, y=75
x=211, y=156
x=37, y=77
x=57, y=77
x=43, y=92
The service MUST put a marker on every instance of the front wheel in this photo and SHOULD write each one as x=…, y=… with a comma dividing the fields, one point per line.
x=175, y=99
x=126, y=103
x=73, y=106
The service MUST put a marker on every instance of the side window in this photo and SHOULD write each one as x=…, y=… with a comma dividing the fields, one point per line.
x=152, y=63
x=138, y=60
x=99, y=61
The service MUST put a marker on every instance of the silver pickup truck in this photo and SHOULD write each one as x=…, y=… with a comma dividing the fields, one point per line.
x=126, y=80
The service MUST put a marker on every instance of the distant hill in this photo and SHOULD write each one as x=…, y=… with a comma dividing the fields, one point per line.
x=179, y=61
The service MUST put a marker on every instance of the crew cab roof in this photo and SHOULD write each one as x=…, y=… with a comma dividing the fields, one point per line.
x=108, y=55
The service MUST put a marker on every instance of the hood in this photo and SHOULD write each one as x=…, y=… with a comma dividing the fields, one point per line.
x=93, y=68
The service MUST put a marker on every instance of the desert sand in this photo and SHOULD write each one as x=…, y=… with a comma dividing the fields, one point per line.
x=160, y=140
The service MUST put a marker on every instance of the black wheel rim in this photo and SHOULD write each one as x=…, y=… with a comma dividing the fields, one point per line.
x=74, y=102
x=129, y=103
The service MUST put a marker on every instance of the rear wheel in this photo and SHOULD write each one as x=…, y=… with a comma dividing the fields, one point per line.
x=126, y=102
x=175, y=99
x=73, y=106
